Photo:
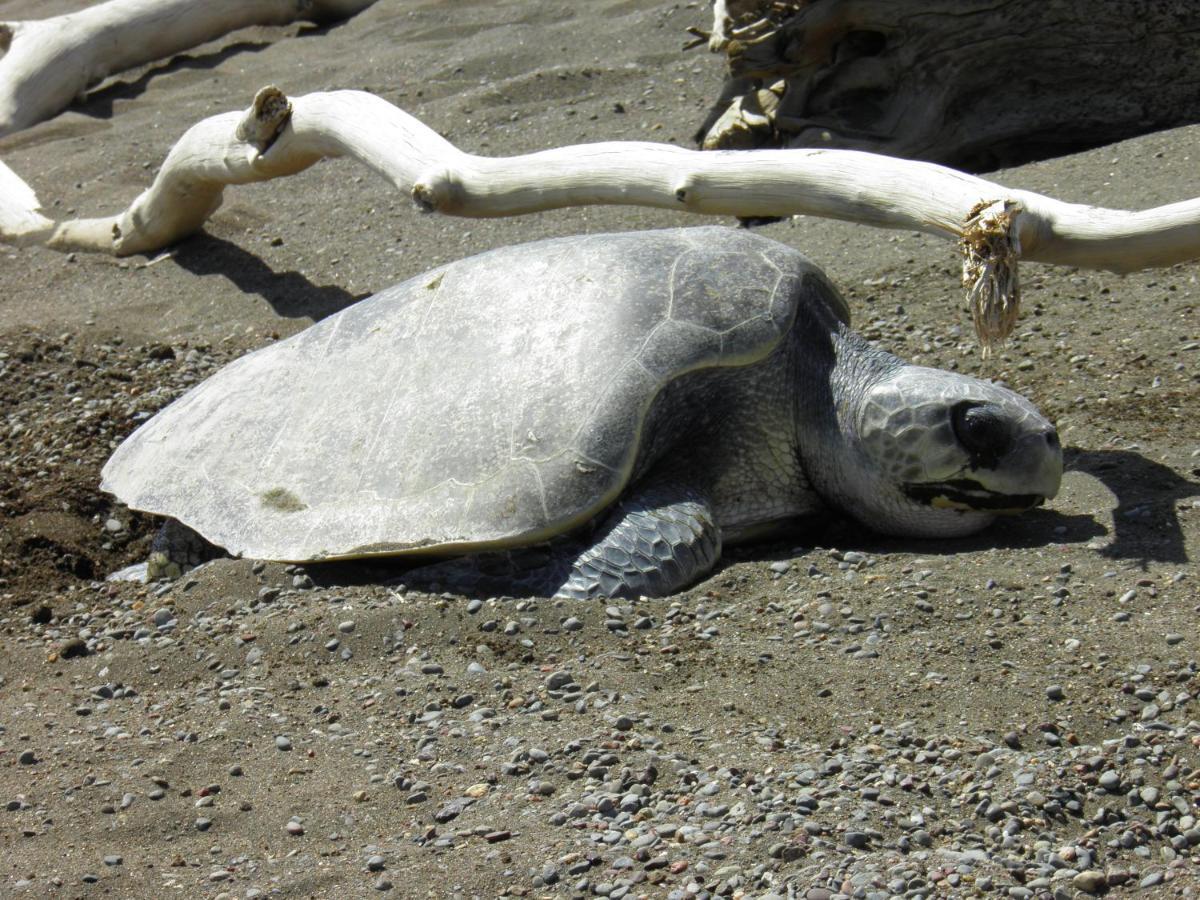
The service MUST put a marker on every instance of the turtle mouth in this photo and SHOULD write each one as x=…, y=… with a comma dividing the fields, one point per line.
x=970, y=495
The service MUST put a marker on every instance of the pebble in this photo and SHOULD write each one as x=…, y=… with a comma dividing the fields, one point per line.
x=636, y=805
x=73, y=649
x=1090, y=881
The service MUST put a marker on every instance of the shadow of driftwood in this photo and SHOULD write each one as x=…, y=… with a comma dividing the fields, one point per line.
x=1146, y=520
x=99, y=103
x=290, y=294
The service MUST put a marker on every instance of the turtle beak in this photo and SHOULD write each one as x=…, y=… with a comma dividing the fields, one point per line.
x=1042, y=453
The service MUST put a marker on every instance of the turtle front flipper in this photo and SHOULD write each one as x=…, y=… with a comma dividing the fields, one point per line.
x=660, y=538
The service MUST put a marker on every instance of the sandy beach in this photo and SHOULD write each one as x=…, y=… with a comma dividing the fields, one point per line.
x=1009, y=715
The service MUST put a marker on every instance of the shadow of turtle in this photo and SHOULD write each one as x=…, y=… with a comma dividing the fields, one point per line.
x=1039, y=528
x=1146, y=519
x=1146, y=526
x=1035, y=528
x=290, y=294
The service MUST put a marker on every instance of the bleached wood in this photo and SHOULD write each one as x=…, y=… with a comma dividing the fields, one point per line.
x=276, y=137
x=50, y=62
x=20, y=221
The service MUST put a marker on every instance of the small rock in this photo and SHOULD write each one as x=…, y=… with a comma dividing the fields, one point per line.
x=72, y=649
x=856, y=839
x=1091, y=881
x=452, y=809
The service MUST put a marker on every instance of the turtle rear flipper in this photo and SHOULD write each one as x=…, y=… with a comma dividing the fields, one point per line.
x=177, y=549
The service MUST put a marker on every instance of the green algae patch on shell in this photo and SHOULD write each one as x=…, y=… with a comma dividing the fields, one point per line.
x=282, y=499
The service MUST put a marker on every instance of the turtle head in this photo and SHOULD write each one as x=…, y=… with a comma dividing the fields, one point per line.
x=947, y=453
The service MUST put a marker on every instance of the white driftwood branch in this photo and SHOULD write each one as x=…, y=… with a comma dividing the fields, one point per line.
x=47, y=63
x=20, y=221
x=277, y=137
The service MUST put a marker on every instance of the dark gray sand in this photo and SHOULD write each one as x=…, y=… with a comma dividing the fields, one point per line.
x=1013, y=715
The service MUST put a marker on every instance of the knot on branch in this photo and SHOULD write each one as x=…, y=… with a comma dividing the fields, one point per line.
x=265, y=119
x=438, y=191
x=990, y=250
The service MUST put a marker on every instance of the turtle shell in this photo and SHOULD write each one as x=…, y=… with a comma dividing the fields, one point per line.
x=495, y=401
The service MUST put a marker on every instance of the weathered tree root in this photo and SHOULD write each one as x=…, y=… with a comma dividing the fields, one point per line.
x=278, y=137
x=971, y=84
x=45, y=64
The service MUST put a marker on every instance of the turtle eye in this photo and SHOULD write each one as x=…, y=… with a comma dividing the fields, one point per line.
x=982, y=431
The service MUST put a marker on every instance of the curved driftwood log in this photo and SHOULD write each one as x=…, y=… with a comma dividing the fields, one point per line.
x=47, y=63
x=972, y=84
x=277, y=137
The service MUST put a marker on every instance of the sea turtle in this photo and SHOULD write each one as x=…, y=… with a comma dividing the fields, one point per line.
x=623, y=404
